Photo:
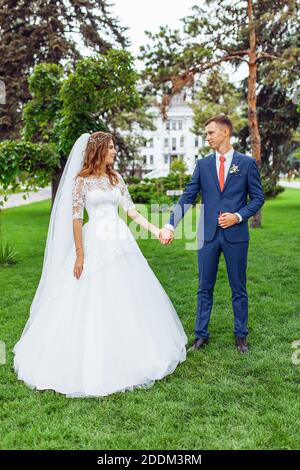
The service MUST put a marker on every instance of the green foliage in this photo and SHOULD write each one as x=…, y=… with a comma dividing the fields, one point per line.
x=270, y=188
x=132, y=179
x=217, y=33
x=26, y=165
x=52, y=31
x=218, y=96
x=99, y=88
x=8, y=256
x=279, y=120
x=178, y=167
x=154, y=190
x=40, y=112
x=87, y=99
x=143, y=193
x=174, y=181
x=63, y=107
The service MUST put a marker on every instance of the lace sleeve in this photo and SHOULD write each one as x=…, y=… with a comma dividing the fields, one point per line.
x=78, y=198
x=125, y=201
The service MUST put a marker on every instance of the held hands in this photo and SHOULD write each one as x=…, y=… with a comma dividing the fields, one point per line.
x=227, y=219
x=166, y=236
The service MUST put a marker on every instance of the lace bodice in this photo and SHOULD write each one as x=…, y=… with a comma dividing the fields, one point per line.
x=95, y=193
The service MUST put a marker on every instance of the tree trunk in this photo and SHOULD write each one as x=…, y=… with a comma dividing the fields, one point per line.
x=252, y=111
x=55, y=182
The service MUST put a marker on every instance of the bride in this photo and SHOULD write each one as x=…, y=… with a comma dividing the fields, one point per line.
x=100, y=321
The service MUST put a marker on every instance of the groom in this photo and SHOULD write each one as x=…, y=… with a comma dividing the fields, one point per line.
x=225, y=178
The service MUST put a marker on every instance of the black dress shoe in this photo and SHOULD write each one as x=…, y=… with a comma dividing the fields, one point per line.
x=241, y=345
x=199, y=343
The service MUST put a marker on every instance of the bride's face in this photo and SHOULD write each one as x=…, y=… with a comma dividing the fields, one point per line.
x=111, y=154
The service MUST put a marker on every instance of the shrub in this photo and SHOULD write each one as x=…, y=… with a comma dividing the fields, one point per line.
x=154, y=190
x=270, y=188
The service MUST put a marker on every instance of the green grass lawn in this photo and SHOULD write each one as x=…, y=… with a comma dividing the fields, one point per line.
x=216, y=399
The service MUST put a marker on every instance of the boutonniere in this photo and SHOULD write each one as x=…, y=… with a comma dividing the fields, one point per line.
x=234, y=169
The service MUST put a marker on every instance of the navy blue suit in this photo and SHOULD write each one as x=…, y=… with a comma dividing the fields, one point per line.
x=232, y=241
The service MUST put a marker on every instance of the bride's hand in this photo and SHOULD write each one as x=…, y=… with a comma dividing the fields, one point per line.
x=78, y=267
x=157, y=232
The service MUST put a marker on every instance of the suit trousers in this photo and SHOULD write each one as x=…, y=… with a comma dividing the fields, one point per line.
x=235, y=255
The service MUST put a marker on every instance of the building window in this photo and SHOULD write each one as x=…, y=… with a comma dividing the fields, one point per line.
x=166, y=144
x=144, y=159
x=174, y=125
x=196, y=158
x=166, y=159
x=151, y=159
x=150, y=142
x=197, y=141
x=168, y=127
x=174, y=143
x=182, y=141
x=180, y=125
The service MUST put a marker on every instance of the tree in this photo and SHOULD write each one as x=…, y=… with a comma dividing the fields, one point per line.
x=218, y=96
x=26, y=166
x=178, y=167
x=222, y=32
x=276, y=108
x=88, y=99
x=52, y=31
x=279, y=120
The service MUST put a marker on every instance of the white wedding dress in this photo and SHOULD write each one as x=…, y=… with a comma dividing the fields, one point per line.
x=114, y=329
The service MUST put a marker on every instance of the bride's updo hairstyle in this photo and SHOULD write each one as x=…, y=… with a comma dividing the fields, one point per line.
x=94, y=156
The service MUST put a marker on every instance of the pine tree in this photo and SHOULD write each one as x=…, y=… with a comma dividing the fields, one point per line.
x=219, y=32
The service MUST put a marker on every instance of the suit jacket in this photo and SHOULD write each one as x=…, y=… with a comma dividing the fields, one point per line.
x=234, y=197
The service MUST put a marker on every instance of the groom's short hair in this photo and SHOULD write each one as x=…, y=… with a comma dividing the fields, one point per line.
x=221, y=119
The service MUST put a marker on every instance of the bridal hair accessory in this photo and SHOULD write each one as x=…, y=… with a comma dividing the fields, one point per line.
x=99, y=138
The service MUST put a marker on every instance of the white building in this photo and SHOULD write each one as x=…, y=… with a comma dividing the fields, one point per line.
x=171, y=140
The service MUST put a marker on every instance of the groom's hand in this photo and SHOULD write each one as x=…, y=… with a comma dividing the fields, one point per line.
x=227, y=219
x=166, y=236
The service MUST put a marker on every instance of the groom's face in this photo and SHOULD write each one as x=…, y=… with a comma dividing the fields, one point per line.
x=216, y=134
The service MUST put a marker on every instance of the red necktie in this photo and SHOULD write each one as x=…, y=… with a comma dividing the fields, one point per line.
x=222, y=171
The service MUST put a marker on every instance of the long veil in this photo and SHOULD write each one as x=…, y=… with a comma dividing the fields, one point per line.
x=60, y=231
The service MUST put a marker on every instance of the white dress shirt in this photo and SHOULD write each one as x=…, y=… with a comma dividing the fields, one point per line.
x=228, y=156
